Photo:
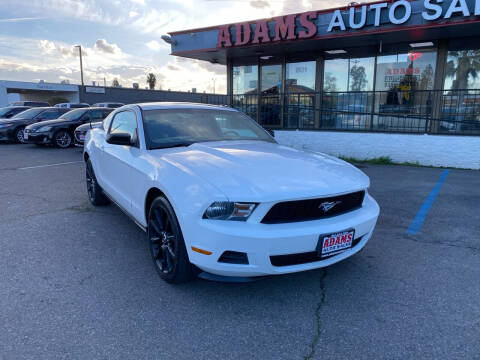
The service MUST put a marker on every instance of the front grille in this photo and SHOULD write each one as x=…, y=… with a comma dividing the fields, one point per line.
x=303, y=258
x=304, y=210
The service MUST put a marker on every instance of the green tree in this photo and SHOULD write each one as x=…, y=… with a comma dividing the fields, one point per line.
x=151, y=81
x=330, y=82
x=358, y=77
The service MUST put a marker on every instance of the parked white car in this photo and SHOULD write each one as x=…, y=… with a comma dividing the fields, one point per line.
x=213, y=189
x=72, y=105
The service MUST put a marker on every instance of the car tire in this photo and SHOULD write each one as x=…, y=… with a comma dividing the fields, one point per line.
x=95, y=192
x=18, y=135
x=166, y=243
x=62, y=139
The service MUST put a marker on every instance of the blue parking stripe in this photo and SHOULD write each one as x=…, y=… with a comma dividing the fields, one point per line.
x=417, y=222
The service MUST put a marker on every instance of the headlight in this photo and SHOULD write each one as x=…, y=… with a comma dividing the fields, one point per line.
x=224, y=210
x=44, y=128
x=5, y=125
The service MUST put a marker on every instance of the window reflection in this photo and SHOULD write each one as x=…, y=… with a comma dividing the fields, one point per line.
x=245, y=85
x=345, y=103
x=271, y=88
x=299, y=109
x=402, y=80
x=461, y=103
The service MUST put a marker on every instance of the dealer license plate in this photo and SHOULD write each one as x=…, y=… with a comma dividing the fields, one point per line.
x=25, y=135
x=334, y=244
x=81, y=137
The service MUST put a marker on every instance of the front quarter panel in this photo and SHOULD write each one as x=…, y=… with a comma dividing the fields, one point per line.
x=188, y=194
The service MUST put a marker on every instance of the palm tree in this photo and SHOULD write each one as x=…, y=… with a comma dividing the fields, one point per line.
x=151, y=80
x=461, y=66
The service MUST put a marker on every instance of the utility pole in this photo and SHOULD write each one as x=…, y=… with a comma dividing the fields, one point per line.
x=81, y=65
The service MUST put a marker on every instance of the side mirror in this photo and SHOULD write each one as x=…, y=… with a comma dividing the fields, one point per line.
x=119, y=139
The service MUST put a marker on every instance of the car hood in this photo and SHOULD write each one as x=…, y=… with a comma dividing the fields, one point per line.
x=54, y=122
x=262, y=171
x=16, y=120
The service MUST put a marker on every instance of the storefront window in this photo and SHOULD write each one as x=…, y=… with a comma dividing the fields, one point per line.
x=461, y=100
x=245, y=79
x=401, y=98
x=409, y=71
x=299, y=97
x=346, y=101
x=271, y=79
x=270, y=101
x=245, y=85
x=336, y=75
x=463, y=70
x=361, y=74
x=300, y=77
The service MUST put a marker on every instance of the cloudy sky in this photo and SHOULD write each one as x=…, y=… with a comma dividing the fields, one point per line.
x=121, y=38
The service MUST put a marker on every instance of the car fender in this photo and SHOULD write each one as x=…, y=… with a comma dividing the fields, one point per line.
x=180, y=186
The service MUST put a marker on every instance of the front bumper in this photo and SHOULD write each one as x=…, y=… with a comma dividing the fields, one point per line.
x=261, y=241
x=6, y=134
x=78, y=140
x=38, y=138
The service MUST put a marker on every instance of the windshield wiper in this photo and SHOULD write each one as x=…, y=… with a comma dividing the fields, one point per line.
x=179, y=144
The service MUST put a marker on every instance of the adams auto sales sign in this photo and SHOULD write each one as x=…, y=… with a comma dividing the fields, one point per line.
x=355, y=18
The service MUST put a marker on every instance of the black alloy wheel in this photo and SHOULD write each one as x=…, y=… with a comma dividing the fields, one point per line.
x=95, y=193
x=62, y=139
x=18, y=136
x=166, y=243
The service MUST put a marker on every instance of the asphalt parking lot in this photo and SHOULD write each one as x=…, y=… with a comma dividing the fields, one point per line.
x=77, y=281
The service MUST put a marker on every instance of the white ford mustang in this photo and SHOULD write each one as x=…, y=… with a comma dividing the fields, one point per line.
x=214, y=191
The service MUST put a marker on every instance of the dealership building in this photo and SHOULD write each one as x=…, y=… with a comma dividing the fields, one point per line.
x=393, y=78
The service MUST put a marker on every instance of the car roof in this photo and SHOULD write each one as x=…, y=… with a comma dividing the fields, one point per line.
x=182, y=105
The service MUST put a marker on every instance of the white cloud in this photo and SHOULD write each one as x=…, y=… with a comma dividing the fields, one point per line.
x=156, y=46
x=102, y=45
x=132, y=14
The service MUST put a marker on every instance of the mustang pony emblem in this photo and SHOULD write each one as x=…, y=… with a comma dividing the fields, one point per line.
x=326, y=206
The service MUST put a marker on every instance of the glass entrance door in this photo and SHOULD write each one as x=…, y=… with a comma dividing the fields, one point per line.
x=270, y=98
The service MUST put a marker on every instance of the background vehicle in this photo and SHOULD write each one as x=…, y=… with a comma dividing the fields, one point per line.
x=10, y=111
x=30, y=103
x=72, y=105
x=12, y=129
x=81, y=132
x=59, y=132
x=112, y=105
x=213, y=189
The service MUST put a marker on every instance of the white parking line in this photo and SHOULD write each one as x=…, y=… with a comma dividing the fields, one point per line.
x=42, y=166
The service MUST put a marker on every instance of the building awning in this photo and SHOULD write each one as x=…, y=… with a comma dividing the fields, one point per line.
x=361, y=28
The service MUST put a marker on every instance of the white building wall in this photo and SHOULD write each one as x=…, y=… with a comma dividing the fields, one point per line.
x=433, y=150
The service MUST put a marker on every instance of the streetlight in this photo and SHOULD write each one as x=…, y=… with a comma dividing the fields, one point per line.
x=81, y=65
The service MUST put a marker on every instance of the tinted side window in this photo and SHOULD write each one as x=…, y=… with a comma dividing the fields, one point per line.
x=105, y=113
x=49, y=114
x=96, y=115
x=124, y=122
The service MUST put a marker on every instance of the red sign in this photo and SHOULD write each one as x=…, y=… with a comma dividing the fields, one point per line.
x=414, y=56
x=285, y=27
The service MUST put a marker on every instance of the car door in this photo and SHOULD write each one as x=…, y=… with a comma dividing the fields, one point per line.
x=116, y=160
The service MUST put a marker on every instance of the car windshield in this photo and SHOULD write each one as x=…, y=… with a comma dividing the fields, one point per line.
x=28, y=114
x=177, y=127
x=73, y=115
